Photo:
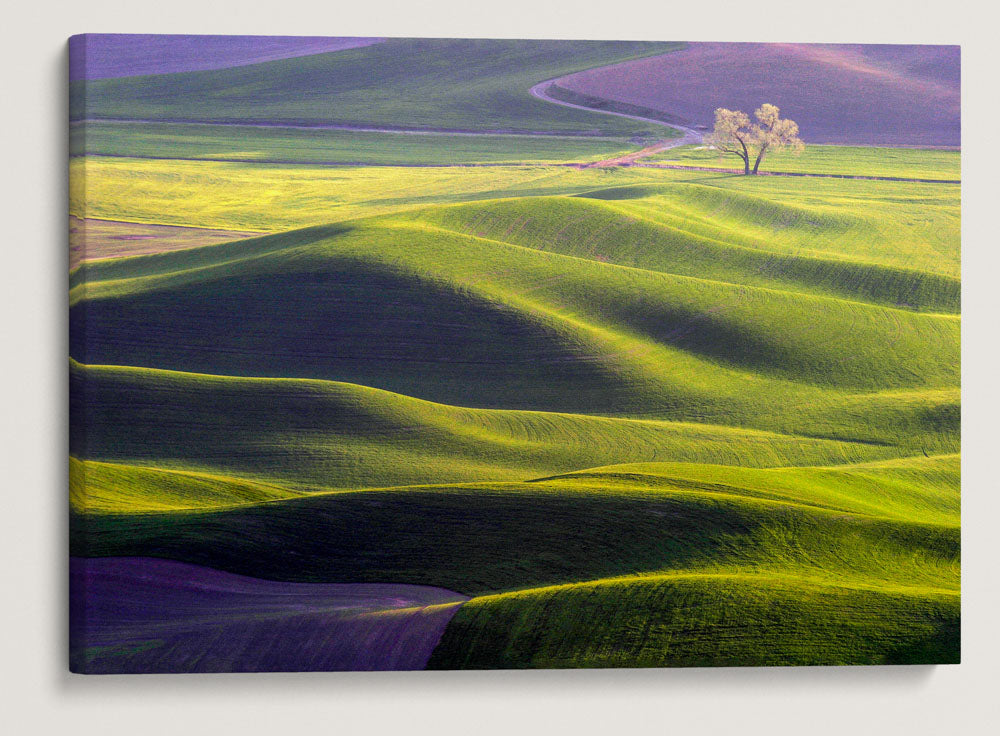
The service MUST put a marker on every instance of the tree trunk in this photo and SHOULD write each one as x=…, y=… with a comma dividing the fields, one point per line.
x=745, y=157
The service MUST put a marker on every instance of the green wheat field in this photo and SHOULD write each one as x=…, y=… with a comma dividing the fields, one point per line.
x=626, y=415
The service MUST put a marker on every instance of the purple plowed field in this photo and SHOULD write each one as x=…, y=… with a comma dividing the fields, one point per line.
x=91, y=240
x=108, y=55
x=149, y=615
x=860, y=94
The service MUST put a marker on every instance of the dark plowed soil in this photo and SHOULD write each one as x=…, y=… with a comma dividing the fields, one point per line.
x=138, y=614
x=860, y=94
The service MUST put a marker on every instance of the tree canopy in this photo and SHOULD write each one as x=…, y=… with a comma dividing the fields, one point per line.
x=735, y=133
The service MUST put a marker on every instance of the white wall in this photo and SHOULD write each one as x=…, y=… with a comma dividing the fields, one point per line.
x=36, y=693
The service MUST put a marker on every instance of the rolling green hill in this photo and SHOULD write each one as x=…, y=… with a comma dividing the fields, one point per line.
x=684, y=525
x=315, y=435
x=96, y=487
x=811, y=589
x=475, y=319
x=484, y=299
x=590, y=226
x=276, y=198
x=702, y=620
x=907, y=489
x=900, y=224
x=405, y=83
x=904, y=225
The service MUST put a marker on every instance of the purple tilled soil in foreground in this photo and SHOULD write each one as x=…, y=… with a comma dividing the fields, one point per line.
x=139, y=614
x=108, y=55
x=890, y=95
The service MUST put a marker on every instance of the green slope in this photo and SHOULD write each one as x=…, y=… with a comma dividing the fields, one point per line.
x=908, y=489
x=905, y=225
x=490, y=537
x=702, y=620
x=316, y=435
x=489, y=304
x=96, y=487
x=410, y=83
x=601, y=230
x=472, y=538
x=275, y=198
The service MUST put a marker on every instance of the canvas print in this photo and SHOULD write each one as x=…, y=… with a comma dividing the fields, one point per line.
x=409, y=353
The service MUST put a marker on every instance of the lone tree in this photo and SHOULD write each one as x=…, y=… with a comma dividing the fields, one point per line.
x=734, y=133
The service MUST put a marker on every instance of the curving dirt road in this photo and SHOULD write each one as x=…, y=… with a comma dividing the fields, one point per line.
x=690, y=135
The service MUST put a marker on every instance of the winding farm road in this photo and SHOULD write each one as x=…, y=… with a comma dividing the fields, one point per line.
x=690, y=135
